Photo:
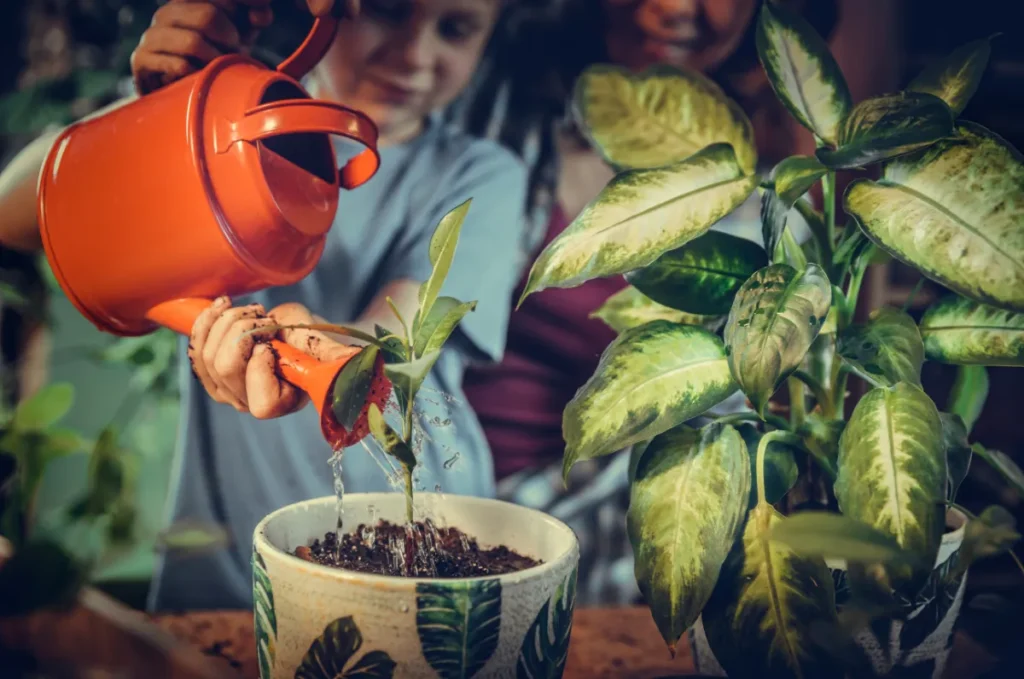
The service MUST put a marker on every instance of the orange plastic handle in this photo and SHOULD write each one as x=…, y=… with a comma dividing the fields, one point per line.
x=312, y=49
x=306, y=115
x=180, y=315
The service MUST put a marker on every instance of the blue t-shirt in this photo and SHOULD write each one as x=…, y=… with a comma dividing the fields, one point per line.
x=233, y=469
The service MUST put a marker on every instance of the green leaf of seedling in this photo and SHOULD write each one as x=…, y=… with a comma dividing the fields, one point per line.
x=44, y=408
x=442, y=251
x=406, y=378
x=834, y=536
x=970, y=390
x=887, y=127
x=955, y=79
x=389, y=439
x=991, y=533
x=352, y=386
x=439, y=324
x=1003, y=464
x=193, y=537
x=391, y=345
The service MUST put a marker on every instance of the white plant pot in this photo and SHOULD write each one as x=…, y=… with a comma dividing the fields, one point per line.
x=922, y=641
x=316, y=622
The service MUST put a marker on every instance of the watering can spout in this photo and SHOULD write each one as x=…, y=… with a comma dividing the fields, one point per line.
x=314, y=377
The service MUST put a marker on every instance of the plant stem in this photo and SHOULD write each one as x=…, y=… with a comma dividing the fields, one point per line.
x=761, y=448
x=913, y=294
x=408, y=494
x=773, y=420
x=819, y=392
x=853, y=293
x=797, y=407
x=828, y=193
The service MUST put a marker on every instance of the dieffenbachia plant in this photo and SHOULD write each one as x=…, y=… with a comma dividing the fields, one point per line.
x=704, y=516
x=408, y=354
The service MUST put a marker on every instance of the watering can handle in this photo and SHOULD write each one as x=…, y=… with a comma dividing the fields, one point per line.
x=298, y=368
x=312, y=49
x=306, y=115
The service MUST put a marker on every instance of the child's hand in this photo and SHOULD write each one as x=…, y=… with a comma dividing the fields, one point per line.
x=241, y=369
x=185, y=35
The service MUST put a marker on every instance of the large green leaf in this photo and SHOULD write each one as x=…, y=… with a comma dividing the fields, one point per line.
x=888, y=126
x=265, y=617
x=791, y=179
x=703, y=276
x=955, y=79
x=329, y=655
x=648, y=380
x=834, y=536
x=892, y=470
x=546, y=645
x=640, y=215
x=685, y=509
x=629, y=308
x=1003, y=464
x=44, y=408
x=802, y=71
x=660, y=116
x=759, y=620
x=774, y=319
x=959, y=330
x=955, y=211
x=969, y=393
x=441, y=251
x=958, y=452
x=352, y=386
x=439, y=324
x=458, y=624
x=887, y=349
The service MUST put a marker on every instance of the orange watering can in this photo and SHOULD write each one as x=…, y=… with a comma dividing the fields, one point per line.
x=221, y=183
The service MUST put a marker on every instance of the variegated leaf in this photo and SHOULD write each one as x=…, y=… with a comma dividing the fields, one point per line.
x=955, y=79
x=703, y=276
x=969, y=393
x=660, y=116
x=954, y=211
x=774, y=319
x=791, y=179
x=629, y=308
x=888, y=126
x=802, y=71
x=833, y=536
x=686, y=505
x=649, y=379
x=887, y=349
x=892, y=469
x=962, y=331
x=762, y=616
x=640, y=215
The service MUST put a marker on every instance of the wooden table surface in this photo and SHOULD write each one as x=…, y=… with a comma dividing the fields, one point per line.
x=606, y=643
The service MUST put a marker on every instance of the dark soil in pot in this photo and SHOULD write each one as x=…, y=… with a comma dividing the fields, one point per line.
x=421, y=550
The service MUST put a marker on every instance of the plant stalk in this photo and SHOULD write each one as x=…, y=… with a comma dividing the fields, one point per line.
x=797, y=407
x=408, y=494
x=828, y=193
x=761, y=448
x=819, y=392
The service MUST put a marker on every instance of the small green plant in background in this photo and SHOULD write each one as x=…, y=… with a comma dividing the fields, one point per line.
x=708, y=511
x=408, y=355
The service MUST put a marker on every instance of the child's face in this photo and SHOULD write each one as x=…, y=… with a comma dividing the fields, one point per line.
x=693, y=34
x=402, y=59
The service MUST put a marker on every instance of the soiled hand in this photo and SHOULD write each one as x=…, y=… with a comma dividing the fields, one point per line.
x=233, y=359
x=185, y=35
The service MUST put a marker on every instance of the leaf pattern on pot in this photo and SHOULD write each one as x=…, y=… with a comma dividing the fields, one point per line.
x=546, y=646
x=265, y=617
x=329, y=654
x=458, y=625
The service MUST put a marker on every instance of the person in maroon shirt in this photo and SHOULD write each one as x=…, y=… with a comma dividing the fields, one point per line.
x=553, y=345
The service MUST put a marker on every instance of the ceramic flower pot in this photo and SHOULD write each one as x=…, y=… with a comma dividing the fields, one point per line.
x=316, y=622
x=921, y=642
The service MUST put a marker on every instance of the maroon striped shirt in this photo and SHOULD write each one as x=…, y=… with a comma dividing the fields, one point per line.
x=553, y=348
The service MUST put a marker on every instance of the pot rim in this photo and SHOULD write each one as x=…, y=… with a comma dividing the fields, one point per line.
x=570, y=552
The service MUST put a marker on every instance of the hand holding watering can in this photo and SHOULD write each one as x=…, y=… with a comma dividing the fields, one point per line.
x=223, y=182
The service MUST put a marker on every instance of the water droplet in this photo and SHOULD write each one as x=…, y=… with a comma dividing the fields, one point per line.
x=450, y=462
x=437, y=488
x=404, y=607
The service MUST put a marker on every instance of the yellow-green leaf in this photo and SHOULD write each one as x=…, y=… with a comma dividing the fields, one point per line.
x=352, y=386
x=768, y=601
x=886, y=127
x=44, y=408
x=685, y=508
x=640, y=215
x=440, y=323
x=703, y=276
x=650, y=379
x=834, y=536
x=629, y=308
x=802, y=71
x=774, y=319
x=962, y=331
x=892, y=470
x=970, y=390
x=660, y=116
x=388, y=438
x=442, y=247
x=955, y=79
x=887, y=349
x=954, y=211
x=791, y=179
